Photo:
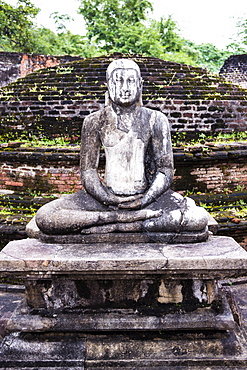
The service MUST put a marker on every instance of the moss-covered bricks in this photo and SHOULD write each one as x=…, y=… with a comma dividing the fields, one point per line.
x=235, y=69
x=53, y=101
x=202, y=168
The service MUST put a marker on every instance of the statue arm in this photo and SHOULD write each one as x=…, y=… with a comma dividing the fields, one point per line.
x=99, y=191
x=163, y=157
x=89, y=158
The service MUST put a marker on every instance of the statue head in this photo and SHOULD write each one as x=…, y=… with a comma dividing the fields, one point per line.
x=124, y=82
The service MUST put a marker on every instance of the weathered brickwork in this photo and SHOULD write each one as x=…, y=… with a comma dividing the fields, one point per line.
x=16, y=65
x=208, y=115
x=65, y=118
x=54, y=101
x=235, y=69
x=215, y=178
x=58, y=172
x=39, y=178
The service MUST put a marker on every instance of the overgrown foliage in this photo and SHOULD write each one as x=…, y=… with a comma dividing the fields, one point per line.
x=111, y=26
x=124, y=26
x=238, y=43
x=16, y=26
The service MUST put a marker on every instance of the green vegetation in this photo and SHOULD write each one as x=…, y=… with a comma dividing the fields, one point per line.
x=11, y=141
x=181, y=138
x=17, y=26
x=227, y=211
x=111, y=26
x=124, y=26
x=233, y=136
x=35, y=141
x=19, y=33
x=10, y=211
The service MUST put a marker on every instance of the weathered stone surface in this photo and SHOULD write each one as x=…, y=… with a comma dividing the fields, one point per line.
x=156, y=351
x=8, y=303
x=219, y=257
x=60, y=300
x=48, y=351
x=147, y=294
x=113, y=319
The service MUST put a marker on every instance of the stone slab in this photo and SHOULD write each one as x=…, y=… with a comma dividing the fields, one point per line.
x=146, y=351
x=61, y=351
x=165, y=351
x=219, y=257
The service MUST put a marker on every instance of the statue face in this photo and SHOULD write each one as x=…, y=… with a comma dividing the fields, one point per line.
x=124, y=86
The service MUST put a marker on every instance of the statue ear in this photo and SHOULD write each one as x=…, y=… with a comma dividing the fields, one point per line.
x=140, y=102
x=107, y=99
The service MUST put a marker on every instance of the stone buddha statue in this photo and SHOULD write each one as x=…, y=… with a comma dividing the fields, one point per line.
x=135, y=196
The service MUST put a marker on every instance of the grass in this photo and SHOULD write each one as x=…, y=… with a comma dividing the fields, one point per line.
x=36, y=141
x=236, y=211
x=180, y=138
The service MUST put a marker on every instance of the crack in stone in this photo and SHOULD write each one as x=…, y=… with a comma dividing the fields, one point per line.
x=165, y=266
x=183, y=207
x=11, y=256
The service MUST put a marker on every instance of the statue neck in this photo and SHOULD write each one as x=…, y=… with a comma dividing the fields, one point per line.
x=125, y=116
x=124, y=110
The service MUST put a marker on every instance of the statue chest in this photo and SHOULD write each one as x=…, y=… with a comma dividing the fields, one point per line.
x=125, y=170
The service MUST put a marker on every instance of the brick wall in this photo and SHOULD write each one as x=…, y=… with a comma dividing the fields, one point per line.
x=54, y=101
x=235, y=69
x=39, y=178
x=54, y=171
x=16, y=65
x=205, y=115
x=63, y=117
x=216, y=178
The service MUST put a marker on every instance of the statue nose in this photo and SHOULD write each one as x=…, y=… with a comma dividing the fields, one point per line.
x=125, y=86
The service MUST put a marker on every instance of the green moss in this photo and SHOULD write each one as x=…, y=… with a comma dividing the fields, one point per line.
x=84, y=80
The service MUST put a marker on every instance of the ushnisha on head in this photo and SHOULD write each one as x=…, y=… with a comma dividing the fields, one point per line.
x=124, y=82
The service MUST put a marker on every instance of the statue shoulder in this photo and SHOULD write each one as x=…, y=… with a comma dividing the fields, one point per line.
x=93, y=120
x=156, y=116
x=93, y=116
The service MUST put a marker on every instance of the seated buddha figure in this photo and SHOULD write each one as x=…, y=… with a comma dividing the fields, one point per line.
x=135, y=195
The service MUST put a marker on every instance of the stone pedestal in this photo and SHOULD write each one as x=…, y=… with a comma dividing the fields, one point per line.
x=138, y=305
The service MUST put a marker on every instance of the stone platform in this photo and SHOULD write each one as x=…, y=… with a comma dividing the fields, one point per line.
x=217, y=258
x=150, y=306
